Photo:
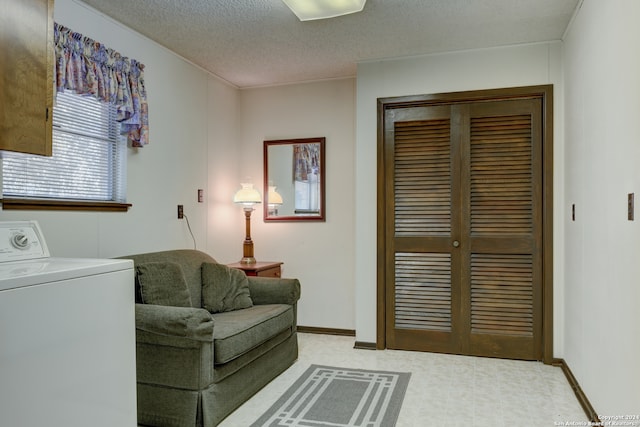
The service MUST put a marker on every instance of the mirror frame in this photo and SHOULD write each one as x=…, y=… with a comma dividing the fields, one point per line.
x=315, y=217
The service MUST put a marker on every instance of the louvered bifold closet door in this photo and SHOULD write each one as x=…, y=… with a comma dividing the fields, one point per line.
x=502, y=303
x=422, y=153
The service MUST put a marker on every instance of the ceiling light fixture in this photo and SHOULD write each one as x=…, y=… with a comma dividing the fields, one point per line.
x=308, y=10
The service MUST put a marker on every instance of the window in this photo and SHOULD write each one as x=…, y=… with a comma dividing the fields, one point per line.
x=88, y=166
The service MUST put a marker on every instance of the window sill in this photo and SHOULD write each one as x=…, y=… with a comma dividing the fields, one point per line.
x=62, y=205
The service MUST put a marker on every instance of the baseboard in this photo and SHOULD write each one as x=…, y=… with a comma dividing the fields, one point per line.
x=360, y=345
x=342, y=332
x=327, y=331
x=582, y=398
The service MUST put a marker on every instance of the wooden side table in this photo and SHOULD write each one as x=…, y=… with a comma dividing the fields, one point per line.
x=262, y=269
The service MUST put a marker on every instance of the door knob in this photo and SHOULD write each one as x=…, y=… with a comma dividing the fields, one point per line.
x=456, y=243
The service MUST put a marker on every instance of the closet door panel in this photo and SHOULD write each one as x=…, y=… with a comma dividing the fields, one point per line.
x=503, y=227
x=423, y=218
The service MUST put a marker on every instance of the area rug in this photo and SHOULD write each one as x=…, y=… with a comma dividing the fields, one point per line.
x=326, y=396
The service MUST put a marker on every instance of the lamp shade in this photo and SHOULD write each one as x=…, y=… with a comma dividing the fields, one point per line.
x=273, y=197
x=247, y=195
x=308, y=10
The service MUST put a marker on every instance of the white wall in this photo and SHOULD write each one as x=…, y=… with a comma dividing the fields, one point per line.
x=320, y=254
x=225, y=220
x=602, y=303
x=524, y=65
x=162, y=175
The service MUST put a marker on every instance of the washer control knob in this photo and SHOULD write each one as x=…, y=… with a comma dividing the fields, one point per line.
x=20, y=241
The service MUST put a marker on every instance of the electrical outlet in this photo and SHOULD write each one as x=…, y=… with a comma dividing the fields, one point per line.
x=180, y=212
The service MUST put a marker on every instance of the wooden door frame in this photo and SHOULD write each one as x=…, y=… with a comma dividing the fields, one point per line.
x=542, y=92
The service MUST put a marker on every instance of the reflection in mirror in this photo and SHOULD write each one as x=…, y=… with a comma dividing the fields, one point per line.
x=294, y=180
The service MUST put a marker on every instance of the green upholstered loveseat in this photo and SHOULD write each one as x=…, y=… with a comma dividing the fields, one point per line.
x=195, y=367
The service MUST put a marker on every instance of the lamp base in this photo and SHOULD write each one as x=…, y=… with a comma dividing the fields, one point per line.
x=247, y=245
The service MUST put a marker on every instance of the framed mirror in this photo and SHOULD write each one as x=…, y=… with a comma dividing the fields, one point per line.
x=294, y=180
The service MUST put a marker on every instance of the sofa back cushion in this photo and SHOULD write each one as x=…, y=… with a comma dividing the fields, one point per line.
x=224, y=288
x=163, y=283
x=190, y=261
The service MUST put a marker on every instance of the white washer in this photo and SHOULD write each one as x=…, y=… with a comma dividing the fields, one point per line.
x=67, y=336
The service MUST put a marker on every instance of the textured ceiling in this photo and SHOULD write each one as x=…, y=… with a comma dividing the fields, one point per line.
x=261, y=42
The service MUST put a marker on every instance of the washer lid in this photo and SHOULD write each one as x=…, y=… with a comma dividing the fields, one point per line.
x=20, y=274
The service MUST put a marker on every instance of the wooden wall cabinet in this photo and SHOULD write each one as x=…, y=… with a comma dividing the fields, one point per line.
x=26, y=75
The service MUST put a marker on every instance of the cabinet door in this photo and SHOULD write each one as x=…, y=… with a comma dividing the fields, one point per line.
x=464, y=226
x=26, y=75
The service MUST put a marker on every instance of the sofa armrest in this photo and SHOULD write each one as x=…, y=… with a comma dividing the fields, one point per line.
x=271, y=290
x=174, y=346
x=194, y=324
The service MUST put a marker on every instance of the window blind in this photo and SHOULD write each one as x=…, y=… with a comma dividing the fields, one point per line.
x=89, y=156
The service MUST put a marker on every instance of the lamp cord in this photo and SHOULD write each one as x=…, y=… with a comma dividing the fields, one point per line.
x=190, y=232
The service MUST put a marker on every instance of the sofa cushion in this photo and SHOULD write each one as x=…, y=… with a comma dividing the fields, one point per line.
x=237, y=332
x=191, y=262
x=224, y=288
x=162, y=283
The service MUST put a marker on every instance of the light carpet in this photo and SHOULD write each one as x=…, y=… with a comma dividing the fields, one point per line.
x=326, y=396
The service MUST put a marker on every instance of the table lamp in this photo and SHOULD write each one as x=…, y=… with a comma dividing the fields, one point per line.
x=274, y=199
x=247, y=196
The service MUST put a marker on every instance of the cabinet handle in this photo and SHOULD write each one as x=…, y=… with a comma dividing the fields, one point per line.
x=456, y=243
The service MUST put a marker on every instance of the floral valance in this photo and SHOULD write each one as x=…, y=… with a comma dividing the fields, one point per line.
x=87, y=67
